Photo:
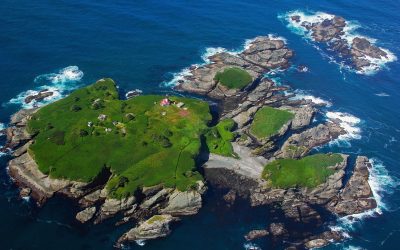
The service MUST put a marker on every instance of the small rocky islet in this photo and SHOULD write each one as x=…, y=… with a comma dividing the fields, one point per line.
x=356, y=51
x=140, y=157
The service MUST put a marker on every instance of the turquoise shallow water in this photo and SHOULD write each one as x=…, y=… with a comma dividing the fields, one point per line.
x=142, y=44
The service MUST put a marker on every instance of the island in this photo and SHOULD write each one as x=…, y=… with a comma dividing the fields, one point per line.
x=149, y=158
x=354, y=50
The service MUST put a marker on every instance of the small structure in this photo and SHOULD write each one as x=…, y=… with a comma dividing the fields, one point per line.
x=108, y=129
x=180, y=104
x=115, y=123
x=163, y=113
x=165, y=102
x=90, y=124
x=102, y=117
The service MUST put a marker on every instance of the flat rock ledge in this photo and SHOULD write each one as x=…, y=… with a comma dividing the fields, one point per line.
x=156, y=227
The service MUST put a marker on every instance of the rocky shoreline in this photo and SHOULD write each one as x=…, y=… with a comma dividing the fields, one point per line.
x=154, y=208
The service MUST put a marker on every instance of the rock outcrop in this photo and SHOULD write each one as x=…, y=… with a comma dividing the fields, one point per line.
x=356, y=197
x=298, y=145
x=155, y=227
x=86, y=214
x=256, y=234
x=260, y=56
x=332, y=31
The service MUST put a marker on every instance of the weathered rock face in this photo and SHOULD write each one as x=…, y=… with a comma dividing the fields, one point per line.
x=260, y=56
x=25, y=173
x=303, y=117
x=39, y=96
x=277, y=229
x=155, y=227
x=183, y=203
x=256, y=234
x=111, y=207
x=86, y=214
x=356, y=196
x=298, y=145
x=323, y=239
x=230, y=197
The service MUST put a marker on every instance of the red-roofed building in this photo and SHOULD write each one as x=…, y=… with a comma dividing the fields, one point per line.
x=165, y=102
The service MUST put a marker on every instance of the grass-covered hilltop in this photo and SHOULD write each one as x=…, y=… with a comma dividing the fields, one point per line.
x=143, y=141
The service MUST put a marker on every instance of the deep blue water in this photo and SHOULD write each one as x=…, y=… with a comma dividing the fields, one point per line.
x=140, y=44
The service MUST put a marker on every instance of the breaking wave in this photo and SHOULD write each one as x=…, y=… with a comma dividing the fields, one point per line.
x=349, y=123
x=251, y=246
x=349, y=33
x=59, y=84
x=301, y=94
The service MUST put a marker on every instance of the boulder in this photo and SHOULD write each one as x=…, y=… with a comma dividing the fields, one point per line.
x=112, y=206
x=86, y=214
x=256, y=234
x=156, y=227
x=277, y=229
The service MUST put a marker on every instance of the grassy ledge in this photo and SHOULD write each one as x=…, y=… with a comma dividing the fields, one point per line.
x=268, y=121
x=141, y=142
x=219, y=138
x=309, y=171
x=233, y=78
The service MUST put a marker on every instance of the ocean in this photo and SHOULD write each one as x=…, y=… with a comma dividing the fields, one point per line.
x=62, y=45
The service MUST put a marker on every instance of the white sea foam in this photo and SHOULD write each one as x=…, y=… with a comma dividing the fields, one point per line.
x=251, y=246
x=141, y=242
x=382, y=94
x=382, y=183
x=349, y=33
x=2, y=127
x=58, y=83
x=300, y=94
x=348, y=122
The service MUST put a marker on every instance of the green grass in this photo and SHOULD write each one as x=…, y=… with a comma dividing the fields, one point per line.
x=144, y=148
x=309, y=171
x=233, y=78
x=219, y=138
x=268, y=121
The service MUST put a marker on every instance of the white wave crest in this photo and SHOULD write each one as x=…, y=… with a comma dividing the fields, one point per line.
x=141, y=242
x=382, y=94
x=300, y=94
x=382, y=183
x=58, y=83
x=348, y=122
x=65, y=75
x=251, y=246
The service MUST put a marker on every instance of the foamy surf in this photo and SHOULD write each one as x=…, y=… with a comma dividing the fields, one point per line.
x=349, y=33
x=251, y=246
x=2, y=128
x=348, y=122
x=59, y=84
x=382, y=184
x=301, y=94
